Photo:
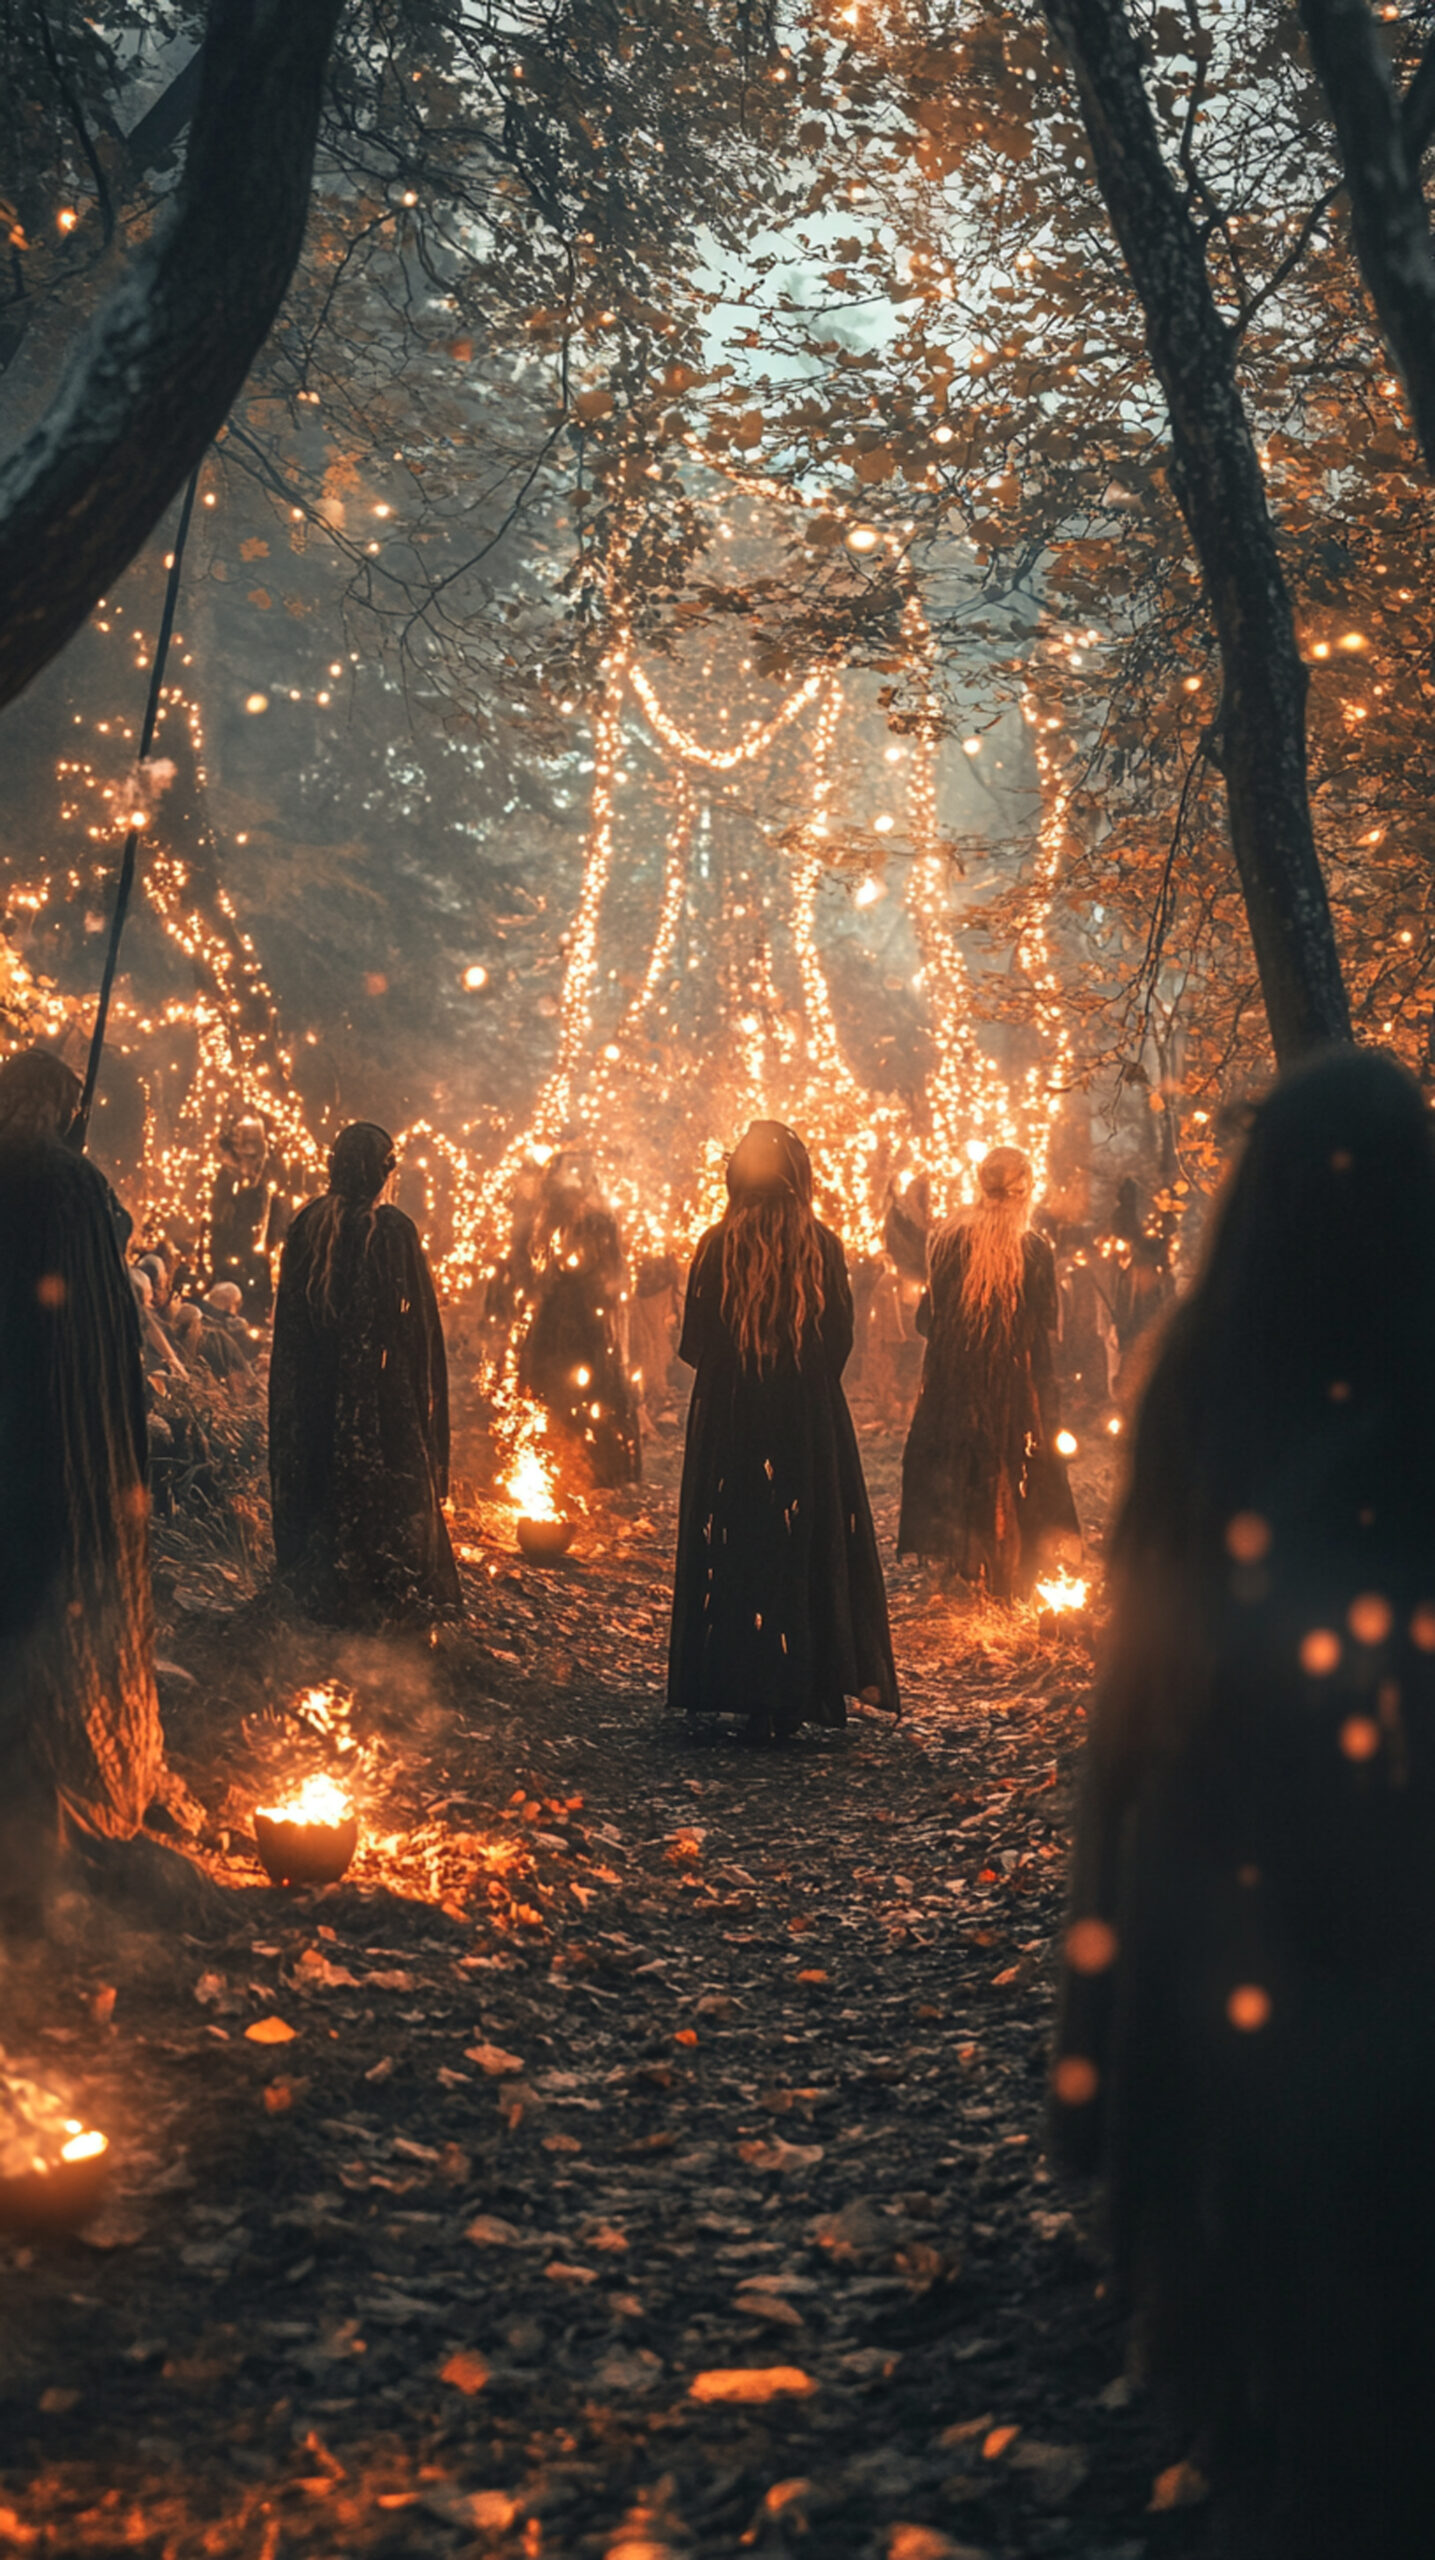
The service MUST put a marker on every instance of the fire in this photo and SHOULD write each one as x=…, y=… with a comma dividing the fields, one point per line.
x=529, y=1482
x=1063, y=1591
x=82, y=2145
x=320, y=1800
x=36, y=2134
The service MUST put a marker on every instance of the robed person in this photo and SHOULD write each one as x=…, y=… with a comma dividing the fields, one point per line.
x=984, y=1487
x=779, y=1610
x=1247, y=2034
x=358, y=1404
x=80, y=1741
x=574, y=1355
x=248, y=1214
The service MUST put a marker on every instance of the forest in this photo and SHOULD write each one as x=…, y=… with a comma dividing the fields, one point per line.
x=588, y=1701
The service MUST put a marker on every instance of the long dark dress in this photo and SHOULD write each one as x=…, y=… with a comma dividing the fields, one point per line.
x=358, y=1427
x=778, y=1601
x=572, y=1358
x=983, y=1485
x=79, y=1719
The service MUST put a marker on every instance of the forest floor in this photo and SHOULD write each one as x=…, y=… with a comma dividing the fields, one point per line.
x=447, y=2202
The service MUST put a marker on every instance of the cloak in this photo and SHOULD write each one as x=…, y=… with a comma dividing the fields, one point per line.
x=358, y=1426
x=79, y=1718
x=778, y=1600
x=983, y=1486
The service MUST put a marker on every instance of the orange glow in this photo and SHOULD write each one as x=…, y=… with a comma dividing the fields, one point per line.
x=319, y=1800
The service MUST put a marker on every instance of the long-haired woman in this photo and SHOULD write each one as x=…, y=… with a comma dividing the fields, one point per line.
x=984, y=1487
x=1247, y=2041
x=358, y=1404
x=779, y=1612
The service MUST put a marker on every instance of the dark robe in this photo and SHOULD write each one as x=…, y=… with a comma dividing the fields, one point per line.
x=983, y=1485
x=248, y=1220
x=79, y=1719
x=572, y=1358
x=1259, y=1841
x=778, y=1601
x=358, y=1427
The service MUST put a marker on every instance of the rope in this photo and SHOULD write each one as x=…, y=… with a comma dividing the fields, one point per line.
x=127, y=859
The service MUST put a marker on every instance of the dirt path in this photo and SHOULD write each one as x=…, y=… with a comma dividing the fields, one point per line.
x=628, y=2058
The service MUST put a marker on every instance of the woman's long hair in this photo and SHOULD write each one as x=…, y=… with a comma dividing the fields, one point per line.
x=39, y=1096
x=359, y=1166
x=772, y=1288
x=992, y=1238
x=1291, y=1409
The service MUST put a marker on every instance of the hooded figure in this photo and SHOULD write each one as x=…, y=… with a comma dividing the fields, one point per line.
x=574, y=1354
x=248, y=1213
x=779, y=1611
x=80, y=1741
x=1247, y=2036
x=358, y=1404
x=984, y=1489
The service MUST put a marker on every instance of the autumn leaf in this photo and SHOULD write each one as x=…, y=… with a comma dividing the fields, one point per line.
x=751, y=2384
x=465, y=2371
x=493, y=2059
x=270, y=2031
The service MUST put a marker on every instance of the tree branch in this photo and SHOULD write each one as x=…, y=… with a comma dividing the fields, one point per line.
x=1389, y=221
x=152, y=380
x=1217, y=480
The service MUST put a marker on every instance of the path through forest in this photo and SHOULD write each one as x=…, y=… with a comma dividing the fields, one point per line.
x=626, y=2059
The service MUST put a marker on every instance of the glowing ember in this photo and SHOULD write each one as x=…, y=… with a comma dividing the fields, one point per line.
x=1066, y=1443
x=82, y=2145
x=1062, y=1592
x=320, y=1801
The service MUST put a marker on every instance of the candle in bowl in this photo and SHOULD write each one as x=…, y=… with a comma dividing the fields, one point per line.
x=54, y=2169
x=310, y=1837
x=540, y=1530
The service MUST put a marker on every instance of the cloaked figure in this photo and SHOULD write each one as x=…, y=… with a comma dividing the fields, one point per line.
x=984, y=1487
x=1246, y=2045
x=779, y=1610
x=80, y=1741
x=574, y=1359
x=248, y=1214
x=358, y=1404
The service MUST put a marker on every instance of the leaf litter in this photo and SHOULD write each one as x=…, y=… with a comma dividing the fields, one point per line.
x=649, y=2157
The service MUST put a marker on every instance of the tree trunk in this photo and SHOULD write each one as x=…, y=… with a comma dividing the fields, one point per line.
x=154, y=376
x=1216, y=476
x=1380, y=150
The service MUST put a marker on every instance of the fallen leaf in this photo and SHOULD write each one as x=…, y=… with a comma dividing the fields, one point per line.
x=489, y=2231
x=998, y=2442
x=760, y=2302
x=780, y=2155
x=1181, y=2485
x=924, y=2542
x=492, y=2059
x=465, y=2371
x=752, y=2383
x=560, y=2271
x=314, y=1972
x=269, y=2031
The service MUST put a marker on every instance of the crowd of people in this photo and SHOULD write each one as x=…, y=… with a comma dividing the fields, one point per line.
x=1241, y=2050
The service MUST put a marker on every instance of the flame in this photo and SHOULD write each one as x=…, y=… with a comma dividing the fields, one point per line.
x=36, y=2136
x=320, y=1800
x=529, y=1484
x=83, y=2145
x=1062, y=1591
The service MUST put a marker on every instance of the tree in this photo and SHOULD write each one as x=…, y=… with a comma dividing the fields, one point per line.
x=1260, y=733
x=152, y=380
x=1383, y=138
